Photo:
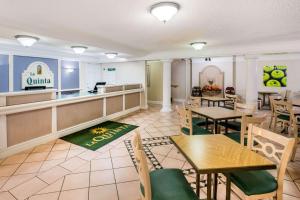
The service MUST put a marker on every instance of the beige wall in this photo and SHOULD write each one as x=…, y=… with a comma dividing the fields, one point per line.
x=155, y=91
x=178, y=79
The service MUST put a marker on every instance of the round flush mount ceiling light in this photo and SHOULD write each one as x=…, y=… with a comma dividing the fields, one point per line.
x=26, y=40
x=198, y=45
x=79, y=49
x=164, y=11
x=111, y=55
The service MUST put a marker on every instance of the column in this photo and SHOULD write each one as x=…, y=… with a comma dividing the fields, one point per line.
x=252, y=80
x=166, y=105
x=188, y=78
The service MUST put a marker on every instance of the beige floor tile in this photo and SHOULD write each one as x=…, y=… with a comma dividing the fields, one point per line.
x=49, y=196
x=15, y=159
x=48, y=164
x=27, y=168
x=56, y=155
x=79, y=194
x=288, y=197
x=16, y=180
x=53, y=174
x=3, y=181
x=35, y=157
x=42, y=148
x=117, y=152
x=6, y=196
x=28, y=188
x=174, y=153
x=107, y=192
x=103, y=154
x=84, y=168
x=129, y=190
x=54, y=187
x=76, y=181
x=89, y=155
x=73, y=163
x=8, y=170
x=162, y=150
x=290, y=188
x=74, y=152
x=126, y=174
x=172, y=163
x=101, y=164
x=122, y=162
x=61, y=147
x=103, y=177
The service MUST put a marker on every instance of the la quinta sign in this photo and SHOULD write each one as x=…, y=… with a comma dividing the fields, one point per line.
x=37, y=74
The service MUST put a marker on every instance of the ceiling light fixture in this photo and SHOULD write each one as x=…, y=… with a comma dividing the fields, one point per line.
x=198, y=45
x=79, y=49
x=26, y=40
x=111, y=55
x=164, y=11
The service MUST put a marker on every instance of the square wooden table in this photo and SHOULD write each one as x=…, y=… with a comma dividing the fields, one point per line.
x=296, y=102
x=217, y=114
x=214, y=100
x=213, y=154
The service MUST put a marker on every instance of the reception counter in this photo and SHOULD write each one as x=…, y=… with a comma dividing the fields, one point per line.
x=31, y=118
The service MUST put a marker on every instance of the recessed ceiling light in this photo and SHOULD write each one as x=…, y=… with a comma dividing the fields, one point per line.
x=198, y=45
x=164, y=11
x=79, y=49
x=26, y=40
x=111, y=55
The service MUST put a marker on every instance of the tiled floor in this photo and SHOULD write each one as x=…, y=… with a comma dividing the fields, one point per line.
x=60, y=170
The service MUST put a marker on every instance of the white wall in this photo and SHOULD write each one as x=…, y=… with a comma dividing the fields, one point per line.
x=292, y=61
x=90, y=73
x=178, y=79
x=223, y=63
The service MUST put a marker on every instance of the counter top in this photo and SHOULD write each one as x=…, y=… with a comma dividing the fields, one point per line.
x=25, y=92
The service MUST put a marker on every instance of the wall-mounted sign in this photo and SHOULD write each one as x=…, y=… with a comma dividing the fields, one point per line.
x=37, y=74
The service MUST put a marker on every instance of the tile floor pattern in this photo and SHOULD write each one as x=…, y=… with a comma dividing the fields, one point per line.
x=60, y=170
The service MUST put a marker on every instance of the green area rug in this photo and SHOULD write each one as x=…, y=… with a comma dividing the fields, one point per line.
x=97, y=136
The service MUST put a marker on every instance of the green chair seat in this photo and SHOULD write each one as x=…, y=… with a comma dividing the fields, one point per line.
x=196, y=131
x=234, y=125
x=236, y=136
x=254, y=182
x=284, y=117
x=200, y=121
x=170, y=184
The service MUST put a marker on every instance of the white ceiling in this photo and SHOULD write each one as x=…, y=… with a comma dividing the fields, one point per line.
x=125, y=26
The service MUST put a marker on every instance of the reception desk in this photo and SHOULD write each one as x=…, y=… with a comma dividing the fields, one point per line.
x=30, y=118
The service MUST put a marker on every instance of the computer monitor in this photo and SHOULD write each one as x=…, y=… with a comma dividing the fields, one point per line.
x=99, y=83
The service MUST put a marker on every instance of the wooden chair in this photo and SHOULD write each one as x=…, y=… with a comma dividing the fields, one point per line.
x=162, y=184
x=241, y=137
x=283, y=110
x=195, y=101
x=246, y=109
x=187, y=126
x=260, y=184
x=230, y=104
x=271, y=100
x=296, y=134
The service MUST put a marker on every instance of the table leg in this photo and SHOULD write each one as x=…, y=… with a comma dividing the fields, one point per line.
x=215, y=186
x=228, y=186
x=198, y=185
x=218, y=103
x=264, y=99
x=208, y=186
x=214, y=103
x=206, y=123
x=216, y=126
x=201, y=102
x=226, y=126
x=208, y=103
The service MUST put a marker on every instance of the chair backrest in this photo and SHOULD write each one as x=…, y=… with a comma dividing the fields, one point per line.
x=142, y=168
x=185, y=118
x=234, y=98
x=283, y=108
x=274, y=146
x=245, y=108
x=273, y=98
x=195, y=101
x=246, y=121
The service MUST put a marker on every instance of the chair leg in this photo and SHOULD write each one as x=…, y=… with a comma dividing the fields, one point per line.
x=271, y=122
x=294, y=150
x=275, y=123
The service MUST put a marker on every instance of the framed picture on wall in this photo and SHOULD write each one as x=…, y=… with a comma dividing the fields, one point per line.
x=275, y=76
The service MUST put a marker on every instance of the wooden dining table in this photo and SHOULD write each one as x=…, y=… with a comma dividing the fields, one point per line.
x=296, y=102
x=216, y=114
x=213, y=154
